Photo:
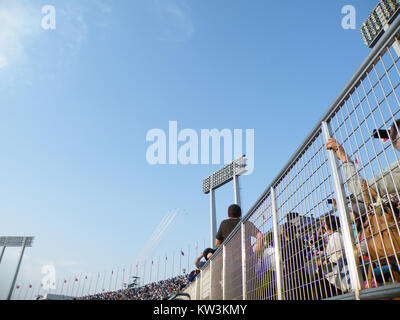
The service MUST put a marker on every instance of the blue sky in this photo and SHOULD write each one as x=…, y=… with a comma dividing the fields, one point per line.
x=76, y=104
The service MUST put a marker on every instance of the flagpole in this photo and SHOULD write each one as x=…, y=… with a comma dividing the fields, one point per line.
x=67, y=293
x=26, y=293
x=109, y=287
x=165, y=269
x=79, y=284
x=173, y=263
x=130, y=273
x=151, y=269
x=83, y=287
x=116, y=279
x=180, y=264
x=187, y=270
x=104, y=280
x=137, y=271
x=57, y=285
x=90, y=286
x=40, y=285
x=80, y=279
x=158, y=269
x=123, y=278
x=19, y=293
x=144, y=272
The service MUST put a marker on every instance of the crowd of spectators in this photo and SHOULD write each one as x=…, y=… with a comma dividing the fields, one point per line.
x=153, y=291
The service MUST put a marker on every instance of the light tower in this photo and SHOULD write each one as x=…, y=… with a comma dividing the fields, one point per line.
x=15, y=242
x=228, y=173
x=379, y=21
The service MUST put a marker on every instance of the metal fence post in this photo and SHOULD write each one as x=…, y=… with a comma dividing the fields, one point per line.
x=345, y=223
x=210, y=286
x=198, y=287
x=224, y=272
x=244, y=266
x=277, y=246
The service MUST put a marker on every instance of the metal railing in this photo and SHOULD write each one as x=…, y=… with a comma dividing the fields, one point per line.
x=328, y=226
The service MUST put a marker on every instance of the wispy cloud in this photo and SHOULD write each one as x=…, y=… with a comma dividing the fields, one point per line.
x=103, y=6
x=16, y=25
x=176, y=21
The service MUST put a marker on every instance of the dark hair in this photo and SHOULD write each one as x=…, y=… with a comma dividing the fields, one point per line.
x=234, y=211
x=269, y=238
x=332, y=222
x=292, y=215
x=394, y=130
x=206, y=252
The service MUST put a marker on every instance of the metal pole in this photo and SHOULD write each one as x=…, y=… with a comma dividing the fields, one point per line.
x=244, y=266
x=277, y=246
x=2, y=253
x=195, y=287
x=211, y=286
x=345, y=223
x=198, y=286
x=16, y=272
x=224, y=272
x=236, y=190
x=213, y=218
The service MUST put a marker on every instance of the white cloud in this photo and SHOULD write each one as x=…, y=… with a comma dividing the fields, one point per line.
x=176, y=21
x=3, y=61
x=103, y=7
x=16, y=24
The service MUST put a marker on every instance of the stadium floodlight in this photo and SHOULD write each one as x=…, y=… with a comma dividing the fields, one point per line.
x=378, y=22
x=224, y=175
x=15, y=242
x=219, y=178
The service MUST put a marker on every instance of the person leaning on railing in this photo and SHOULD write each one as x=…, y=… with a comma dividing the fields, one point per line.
x=335, y=264
x=388, y=182
x=380, y=235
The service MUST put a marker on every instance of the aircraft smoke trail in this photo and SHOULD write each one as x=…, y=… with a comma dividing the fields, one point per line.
x=159, y=233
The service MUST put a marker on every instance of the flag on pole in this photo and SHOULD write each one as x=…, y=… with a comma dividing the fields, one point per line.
x=182, y=253
x=18, y=287
x=76, y=279
x=65, y=281
x=30, y=286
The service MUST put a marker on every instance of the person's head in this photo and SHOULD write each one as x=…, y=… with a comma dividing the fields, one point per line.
x=269, y=238
x=207, y=254
x=234, y=211
x=395, y=135
x=331, y=223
